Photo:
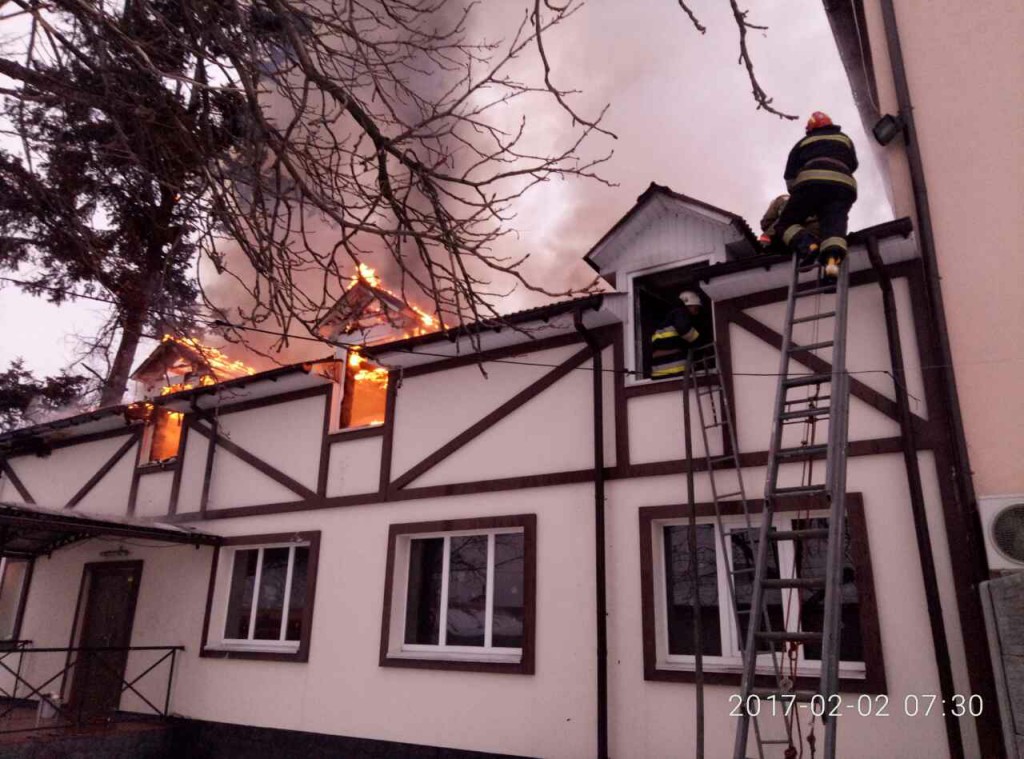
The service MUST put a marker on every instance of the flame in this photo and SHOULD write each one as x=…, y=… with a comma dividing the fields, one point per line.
x=368, y=274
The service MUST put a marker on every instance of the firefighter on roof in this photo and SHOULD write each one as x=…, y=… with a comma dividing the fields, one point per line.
x=819, y=176
x=683, y=329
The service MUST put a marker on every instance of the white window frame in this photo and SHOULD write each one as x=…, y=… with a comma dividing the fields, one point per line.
x=442, y=651
x=632, y=378
x=731, y=660
x=217, y=638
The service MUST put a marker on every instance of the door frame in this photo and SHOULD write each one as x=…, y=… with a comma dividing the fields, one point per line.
x=81, y=611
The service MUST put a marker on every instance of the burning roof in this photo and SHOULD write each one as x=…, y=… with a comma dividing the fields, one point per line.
x=369, y=313
x=182, y=363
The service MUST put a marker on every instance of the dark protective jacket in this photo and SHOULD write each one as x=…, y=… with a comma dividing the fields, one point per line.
x=824, y=155
x=671, y=342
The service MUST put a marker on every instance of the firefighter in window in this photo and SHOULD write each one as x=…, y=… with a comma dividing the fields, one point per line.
x=687, y=327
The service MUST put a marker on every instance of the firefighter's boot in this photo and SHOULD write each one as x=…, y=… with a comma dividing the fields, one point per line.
x=831, y=260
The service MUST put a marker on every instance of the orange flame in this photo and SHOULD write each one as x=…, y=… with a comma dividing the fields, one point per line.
x=368, y=274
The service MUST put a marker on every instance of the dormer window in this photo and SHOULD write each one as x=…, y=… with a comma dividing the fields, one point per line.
x=163, y=435
x=655, y=297
x=363, y=393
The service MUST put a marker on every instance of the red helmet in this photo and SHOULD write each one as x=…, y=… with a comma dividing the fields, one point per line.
x=817, y=120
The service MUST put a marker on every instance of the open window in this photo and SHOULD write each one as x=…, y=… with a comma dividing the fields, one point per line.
x=162, y=438
x=261, y=597
x=655, y=296
x=14, y=579
x=361, y=393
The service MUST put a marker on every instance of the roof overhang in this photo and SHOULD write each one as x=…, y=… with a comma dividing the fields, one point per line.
x=27, y=530
x=515, y=329
x=896, y=243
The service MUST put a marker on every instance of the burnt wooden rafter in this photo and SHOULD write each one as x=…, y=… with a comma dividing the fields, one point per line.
x=819, y=365
x=218, y=440
x=9, y=472
x=110, y=463
x=481, y=426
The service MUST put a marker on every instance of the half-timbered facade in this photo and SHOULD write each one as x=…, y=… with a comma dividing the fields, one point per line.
x=494, y=567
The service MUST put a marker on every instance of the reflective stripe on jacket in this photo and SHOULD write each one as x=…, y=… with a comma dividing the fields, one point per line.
x=824, y=155
x=670, y=345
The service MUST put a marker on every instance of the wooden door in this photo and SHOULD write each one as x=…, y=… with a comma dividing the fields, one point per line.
x=107, y=610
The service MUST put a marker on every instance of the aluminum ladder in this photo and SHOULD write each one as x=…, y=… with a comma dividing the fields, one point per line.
x=726, y=481
x=830, y=495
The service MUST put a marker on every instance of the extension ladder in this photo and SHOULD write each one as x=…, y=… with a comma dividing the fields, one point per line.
x=726, y=481
x=830, y=494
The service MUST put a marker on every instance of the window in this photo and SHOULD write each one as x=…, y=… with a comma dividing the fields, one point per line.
x=163, y=435
x=655, y=296
x=362, y=401
x=670, y=588
x=261, y=597
x=14, y=576
x=461, y=595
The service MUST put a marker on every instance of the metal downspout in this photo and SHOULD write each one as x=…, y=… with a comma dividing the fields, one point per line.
x=600, y=562
x=963, y=484
x=917, y=507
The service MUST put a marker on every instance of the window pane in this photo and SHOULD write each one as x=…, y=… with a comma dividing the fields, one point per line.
x=297, y=601
x=507, y=624
x=467, y=590
x=243, y=575
x=271, y=597
x=810, y=562
x=744, y=558
x=680, y=590
x=365, y=393
x=166, y=434
x=11, y=589
x=423, y=599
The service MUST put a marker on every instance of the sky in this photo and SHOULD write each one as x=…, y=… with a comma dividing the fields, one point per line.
x=681, y=108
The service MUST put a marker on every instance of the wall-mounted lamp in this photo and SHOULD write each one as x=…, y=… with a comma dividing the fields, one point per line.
x=116, y=553
x=887, y=128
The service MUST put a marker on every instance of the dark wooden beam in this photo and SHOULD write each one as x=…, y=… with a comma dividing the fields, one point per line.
x=16, y=481
x=110, y=464
x=819, y=365
x=481, y=426
x=255, y=462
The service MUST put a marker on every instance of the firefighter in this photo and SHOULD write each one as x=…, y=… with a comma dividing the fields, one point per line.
x=684, y=329
x=819, y=176
x=771, y=235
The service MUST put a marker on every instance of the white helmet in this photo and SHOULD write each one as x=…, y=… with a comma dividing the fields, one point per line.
x=689, y=298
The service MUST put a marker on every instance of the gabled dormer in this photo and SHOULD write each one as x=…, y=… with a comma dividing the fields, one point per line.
x=658, y=250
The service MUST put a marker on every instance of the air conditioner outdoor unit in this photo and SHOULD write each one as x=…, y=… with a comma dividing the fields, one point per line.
x=1002, y=520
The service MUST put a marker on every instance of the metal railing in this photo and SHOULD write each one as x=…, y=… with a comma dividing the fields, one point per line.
x=84, y=662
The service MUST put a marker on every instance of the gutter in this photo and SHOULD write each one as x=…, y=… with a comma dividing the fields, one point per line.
x=600, y=561
x=979, y=666
x=917, y=507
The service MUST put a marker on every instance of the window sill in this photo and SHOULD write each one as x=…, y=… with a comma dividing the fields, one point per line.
x=852, y=680
x=151, y=467
x=354, y=433
x=459, y=661
x=265, y=653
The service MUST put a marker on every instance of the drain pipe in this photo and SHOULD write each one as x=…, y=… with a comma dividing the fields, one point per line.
x=963, y=486
x=917, y=507
x=600, y=568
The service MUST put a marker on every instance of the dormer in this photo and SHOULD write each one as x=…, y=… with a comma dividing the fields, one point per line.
x=666, y=229
x=658, y=250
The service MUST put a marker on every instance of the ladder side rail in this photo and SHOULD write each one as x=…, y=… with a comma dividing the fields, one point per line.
x=728, y=430
x=757, y=599
x=838, y=432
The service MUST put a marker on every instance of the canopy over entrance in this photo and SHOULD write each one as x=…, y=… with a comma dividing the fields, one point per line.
x=29, y=530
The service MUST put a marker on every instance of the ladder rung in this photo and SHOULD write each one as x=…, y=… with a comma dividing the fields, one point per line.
x=816, y=290
x=801, y=490
x=728, y=495
x=806, y=413
x=801, y=451
x=803, y=696
x=801, y=583
x=810, y=534
x=720, y=459
x=802, y=380
x=814, y=317
x=744, y=571
x=810, y=347
x=783, y=636
x=816, y=399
